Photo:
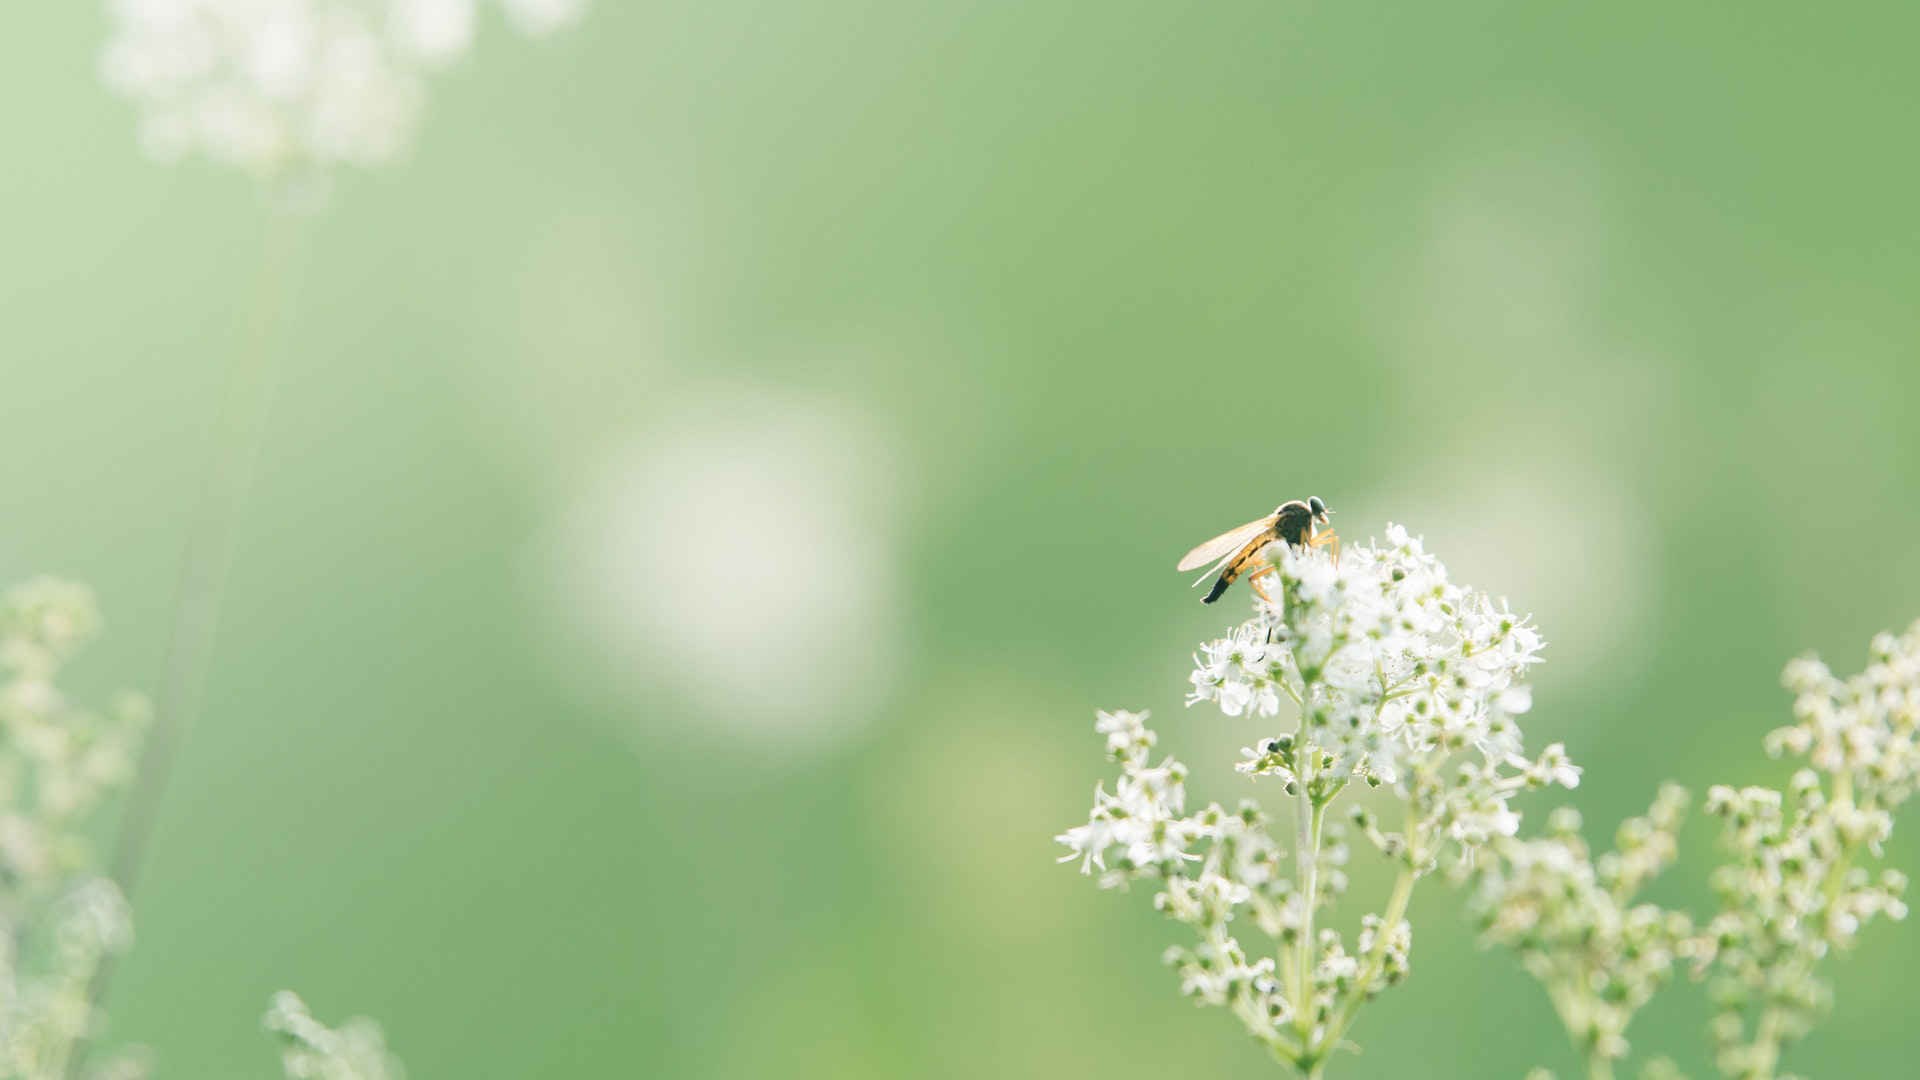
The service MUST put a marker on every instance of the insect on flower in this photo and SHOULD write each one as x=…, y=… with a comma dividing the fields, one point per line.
x=1239, y=551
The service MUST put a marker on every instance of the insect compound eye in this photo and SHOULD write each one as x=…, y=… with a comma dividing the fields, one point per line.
x=1316, y=506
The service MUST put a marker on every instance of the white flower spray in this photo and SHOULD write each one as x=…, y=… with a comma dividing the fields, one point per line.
x=310, y=1050
x=60, y=917
x=1395, y=678
x=1797, y=885
x=1572, y=920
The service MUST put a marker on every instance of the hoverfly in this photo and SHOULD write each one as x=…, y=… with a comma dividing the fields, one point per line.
x=1239, y=550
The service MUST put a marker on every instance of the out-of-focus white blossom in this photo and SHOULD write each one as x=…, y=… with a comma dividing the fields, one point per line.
x=59, y=918
x=1571, y=920
x=733, y=555
x=544, y=16
x=289, y=88
x=355, y=1050
x=435, y=31
x=1798, y=885
x=1795, y=888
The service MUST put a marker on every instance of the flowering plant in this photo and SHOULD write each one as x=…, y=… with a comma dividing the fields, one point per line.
x=1795, y=887
x=61, y=918
x=1401, y=680
x=289, y=91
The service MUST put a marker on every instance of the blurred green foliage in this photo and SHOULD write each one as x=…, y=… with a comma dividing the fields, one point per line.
x=1110, y=278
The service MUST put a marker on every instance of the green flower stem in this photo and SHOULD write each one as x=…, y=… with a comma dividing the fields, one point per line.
x=1768, y=1037
x=1284, y=1049
x=1369, y=969
x=1310, y=812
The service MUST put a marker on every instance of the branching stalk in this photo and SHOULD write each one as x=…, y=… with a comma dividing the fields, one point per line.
x=1374, y=963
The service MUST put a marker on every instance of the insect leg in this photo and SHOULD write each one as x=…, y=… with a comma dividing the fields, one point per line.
x=1253, y=582
x=1325, y=539
x=1253, y=576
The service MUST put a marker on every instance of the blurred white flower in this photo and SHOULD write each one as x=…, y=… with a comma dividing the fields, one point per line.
x=1800, y=885
x=58, y=765
x=543, y=16
x=356, y=1050
x=742, y=555
x=289, y=86
x=1572, y=918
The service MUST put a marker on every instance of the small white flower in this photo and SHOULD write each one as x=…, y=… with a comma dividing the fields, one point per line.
x=1397, y=669
x=1339, y=967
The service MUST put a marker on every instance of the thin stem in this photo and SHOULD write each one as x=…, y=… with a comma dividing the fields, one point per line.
x=1288, y=687
x=1307, y=857
x=1375, y=961
x=1283, y=1048
x=1559, y=992
x=1312, y=816
x=234, y=450
x=1768, y=1036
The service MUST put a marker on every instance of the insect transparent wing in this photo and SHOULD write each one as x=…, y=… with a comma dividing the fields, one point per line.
x=1225, y=544
x=1215, y=569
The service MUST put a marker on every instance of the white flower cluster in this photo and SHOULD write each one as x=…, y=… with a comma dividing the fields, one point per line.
x=313, y=1051
x=1794, y=890
x=281, y=87
x=1393, y=670
x=1796, y=887
x=1412, y=684
x=1572, y=920
x=1397, y=677
x=59, y=918
x=1212, y=865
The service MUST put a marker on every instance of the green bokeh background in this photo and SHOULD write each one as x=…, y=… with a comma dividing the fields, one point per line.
x=1613, y=302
